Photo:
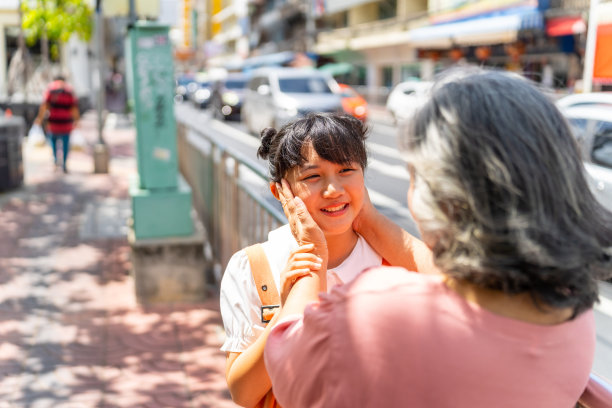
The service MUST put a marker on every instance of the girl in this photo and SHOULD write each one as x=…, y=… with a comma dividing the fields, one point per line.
x=323, y=158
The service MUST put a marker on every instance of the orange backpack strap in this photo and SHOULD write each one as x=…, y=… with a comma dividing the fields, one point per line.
x=264, y=281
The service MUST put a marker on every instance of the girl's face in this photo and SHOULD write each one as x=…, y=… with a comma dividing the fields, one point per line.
x=333, y=193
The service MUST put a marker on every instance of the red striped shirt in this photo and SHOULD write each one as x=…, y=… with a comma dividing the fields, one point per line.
x=61, y=100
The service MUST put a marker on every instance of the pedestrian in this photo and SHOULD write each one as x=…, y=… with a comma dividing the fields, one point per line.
x=499, y=195
x=323, y=157
x=60, y=108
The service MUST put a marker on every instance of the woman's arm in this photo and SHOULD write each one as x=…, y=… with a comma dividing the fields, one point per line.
x=397, y=246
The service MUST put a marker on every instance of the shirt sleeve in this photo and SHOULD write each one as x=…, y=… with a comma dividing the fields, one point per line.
x=298, y=357
x=239, y=305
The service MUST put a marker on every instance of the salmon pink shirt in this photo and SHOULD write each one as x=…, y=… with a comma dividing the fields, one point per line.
x=394, y=338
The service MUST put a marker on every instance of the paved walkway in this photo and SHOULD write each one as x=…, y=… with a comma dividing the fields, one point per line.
x=71, y=333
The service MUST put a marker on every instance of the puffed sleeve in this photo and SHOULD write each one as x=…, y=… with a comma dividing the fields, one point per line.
x=238, y=302
x=298, y=357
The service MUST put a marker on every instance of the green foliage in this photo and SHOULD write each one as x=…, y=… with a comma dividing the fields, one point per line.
x=60, y=19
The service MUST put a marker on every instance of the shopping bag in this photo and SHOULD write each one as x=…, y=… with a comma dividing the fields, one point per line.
x=77, y=140
x=36, y=136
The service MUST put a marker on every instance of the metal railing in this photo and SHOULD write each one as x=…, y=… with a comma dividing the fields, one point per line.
x=598, y=394
x=228, y=190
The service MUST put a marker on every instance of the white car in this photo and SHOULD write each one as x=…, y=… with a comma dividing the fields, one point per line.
x=592, y=127
x=585, y=99
x=406, y=97
x=276, y=96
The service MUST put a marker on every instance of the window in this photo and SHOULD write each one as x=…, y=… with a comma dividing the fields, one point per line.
x=303, y=85
x=387, y=9
x=235, y=84
x=387, y=76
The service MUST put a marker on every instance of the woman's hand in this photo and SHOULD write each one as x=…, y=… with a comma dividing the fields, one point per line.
x=301, y=263
x=303, y=227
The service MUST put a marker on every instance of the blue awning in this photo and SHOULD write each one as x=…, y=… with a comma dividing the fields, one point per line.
x=481, y=30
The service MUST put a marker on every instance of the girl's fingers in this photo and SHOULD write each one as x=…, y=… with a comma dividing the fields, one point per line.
x=308, y=257
x=298, y=265
x=303, y=249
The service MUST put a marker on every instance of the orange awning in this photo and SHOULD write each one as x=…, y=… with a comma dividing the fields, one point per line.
x=602, y=68
x=565, y=26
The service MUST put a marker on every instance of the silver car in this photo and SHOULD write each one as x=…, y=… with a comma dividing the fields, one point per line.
x=592, y=127
x=276, y=96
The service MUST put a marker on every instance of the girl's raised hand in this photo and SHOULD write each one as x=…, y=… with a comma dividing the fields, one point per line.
x=301, y=263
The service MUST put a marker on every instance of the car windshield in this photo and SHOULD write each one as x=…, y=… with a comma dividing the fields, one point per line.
x=602, y=144
x=236, y=84
x=304, y=85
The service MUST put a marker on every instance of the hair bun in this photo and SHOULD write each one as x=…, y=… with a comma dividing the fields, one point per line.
x=266, y=137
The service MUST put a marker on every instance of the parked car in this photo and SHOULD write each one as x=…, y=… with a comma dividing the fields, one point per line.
x=185, y=84
x=275, y=96
x=353, y=103
x=585, y=99
x=592, y=127
x=201, y=95
x=406, y=97
x=228, y=95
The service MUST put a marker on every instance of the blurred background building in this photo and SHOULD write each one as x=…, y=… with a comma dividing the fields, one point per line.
x=370, y=44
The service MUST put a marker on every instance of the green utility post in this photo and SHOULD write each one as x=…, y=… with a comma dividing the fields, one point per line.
x=166, y=239
x=161, y=200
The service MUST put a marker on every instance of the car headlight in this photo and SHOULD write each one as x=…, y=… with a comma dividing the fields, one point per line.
x=230, y=98
x=287, y=106
x=360, y=110
x=288, y=110
x=202, y=94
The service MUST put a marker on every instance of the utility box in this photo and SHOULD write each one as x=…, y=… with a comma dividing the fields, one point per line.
x=11, y=161
x=161, y=203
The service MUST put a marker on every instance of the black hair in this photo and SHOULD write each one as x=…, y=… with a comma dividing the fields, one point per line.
x=338, y=138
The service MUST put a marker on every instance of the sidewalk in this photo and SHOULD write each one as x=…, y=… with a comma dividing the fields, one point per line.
x=71, y=333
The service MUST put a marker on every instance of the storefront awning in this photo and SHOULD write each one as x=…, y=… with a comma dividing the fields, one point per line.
x=482, y=30
x=558, y=26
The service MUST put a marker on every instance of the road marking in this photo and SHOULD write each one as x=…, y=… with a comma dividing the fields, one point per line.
x=391, y=170
x=604, y=306
x=379, y=199
x=384, y=150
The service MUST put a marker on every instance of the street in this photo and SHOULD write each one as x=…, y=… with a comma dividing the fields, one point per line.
x=387, y=181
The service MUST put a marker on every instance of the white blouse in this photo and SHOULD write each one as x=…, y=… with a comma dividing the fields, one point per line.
x=240, y=304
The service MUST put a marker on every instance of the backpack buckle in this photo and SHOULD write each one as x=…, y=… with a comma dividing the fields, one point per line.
x=268, y=312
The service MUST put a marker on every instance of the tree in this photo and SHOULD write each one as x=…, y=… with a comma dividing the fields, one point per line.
x=55, y=21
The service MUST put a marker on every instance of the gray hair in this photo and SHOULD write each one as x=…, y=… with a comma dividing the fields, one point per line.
x=500, y=192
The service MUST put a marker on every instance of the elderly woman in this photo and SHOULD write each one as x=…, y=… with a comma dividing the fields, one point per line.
x=500, y=198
